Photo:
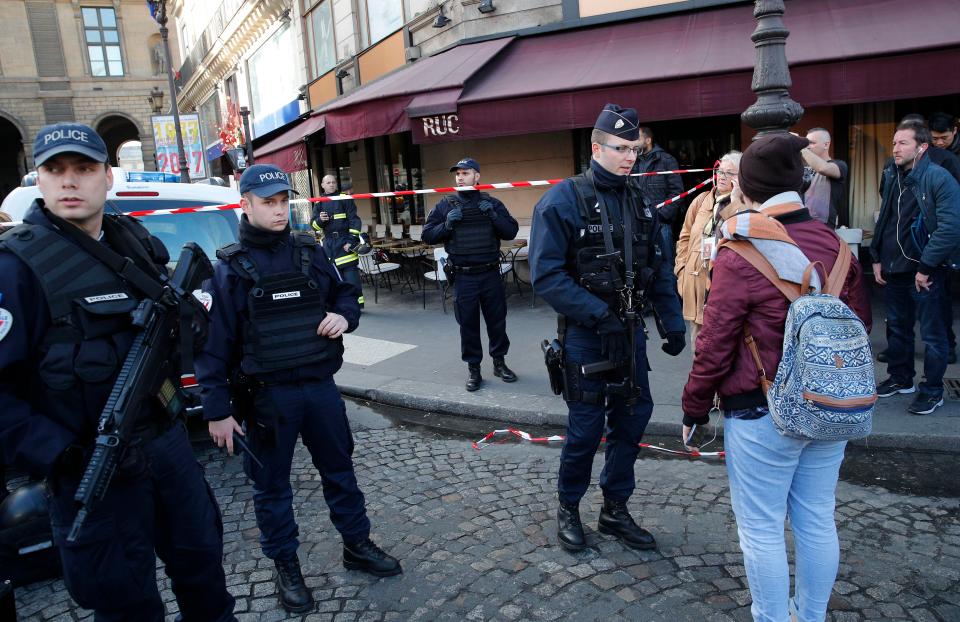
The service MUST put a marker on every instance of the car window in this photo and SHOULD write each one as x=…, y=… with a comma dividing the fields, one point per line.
x=210, y=230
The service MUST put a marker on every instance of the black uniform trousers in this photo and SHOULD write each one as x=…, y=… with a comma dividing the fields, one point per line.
x=158, y=505
x=473, y=293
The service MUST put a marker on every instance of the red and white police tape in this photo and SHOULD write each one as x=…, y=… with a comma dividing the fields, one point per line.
x=546, y=440
x=444, y=190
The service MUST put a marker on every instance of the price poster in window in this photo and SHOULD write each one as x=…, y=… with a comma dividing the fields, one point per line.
x=165, y=137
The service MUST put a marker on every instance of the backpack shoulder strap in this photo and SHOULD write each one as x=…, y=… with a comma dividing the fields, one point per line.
x=306, y=243
x=239, y=260
x=838, y=275
x=586, y=195
x=747, y=250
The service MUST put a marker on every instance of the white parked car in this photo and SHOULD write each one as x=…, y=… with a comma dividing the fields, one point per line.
x=210, y=230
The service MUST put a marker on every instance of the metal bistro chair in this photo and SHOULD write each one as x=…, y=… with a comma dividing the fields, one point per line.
x=377, y=271
x=438, y=276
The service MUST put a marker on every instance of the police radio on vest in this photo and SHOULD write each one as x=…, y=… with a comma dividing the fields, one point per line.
x=73, y=134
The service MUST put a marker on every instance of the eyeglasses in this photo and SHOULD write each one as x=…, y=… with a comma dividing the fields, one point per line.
x=623, y=149
x=726, y=174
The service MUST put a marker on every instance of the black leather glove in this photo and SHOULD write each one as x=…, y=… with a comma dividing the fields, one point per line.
x=453, y=217
x=675, y=344
x=614, y=342
x=486, y=207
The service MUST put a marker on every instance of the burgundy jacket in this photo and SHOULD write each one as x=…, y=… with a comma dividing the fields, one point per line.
x=723, y=364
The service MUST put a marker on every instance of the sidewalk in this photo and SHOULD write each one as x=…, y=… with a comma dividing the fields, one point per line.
x=405, y=356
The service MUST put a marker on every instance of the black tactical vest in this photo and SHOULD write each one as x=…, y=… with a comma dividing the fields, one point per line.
x=284, y=310
x=589, y=261
x=474, y=235
x=90, y=309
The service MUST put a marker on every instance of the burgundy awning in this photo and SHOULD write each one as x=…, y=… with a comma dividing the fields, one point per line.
x=288, y=151
x=700, y=64
x=381, y=107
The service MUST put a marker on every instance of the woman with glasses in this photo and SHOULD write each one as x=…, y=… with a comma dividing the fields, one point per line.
x=697, y=242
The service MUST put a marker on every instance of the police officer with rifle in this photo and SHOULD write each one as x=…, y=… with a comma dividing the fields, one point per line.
x=278, y=313
x=91, y=328
x=596, y=258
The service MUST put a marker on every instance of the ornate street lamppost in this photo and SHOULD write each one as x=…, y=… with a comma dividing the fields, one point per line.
x=158, y=8
x=773, y=111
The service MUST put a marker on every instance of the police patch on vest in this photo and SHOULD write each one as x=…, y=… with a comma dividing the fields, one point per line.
x=282, y=295
x=6, y=322
x=106, y=297
x=598, y=228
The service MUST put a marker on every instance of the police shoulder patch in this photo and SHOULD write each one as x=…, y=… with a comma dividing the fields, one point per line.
x=205, y=298
x=6, y=322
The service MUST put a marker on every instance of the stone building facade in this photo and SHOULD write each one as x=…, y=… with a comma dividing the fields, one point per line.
x=92, y=61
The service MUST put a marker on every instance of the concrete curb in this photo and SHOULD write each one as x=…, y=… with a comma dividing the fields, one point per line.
x=438, y=398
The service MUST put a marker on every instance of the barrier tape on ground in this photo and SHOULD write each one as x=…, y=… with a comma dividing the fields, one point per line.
x=404, y=193
x=546, y=440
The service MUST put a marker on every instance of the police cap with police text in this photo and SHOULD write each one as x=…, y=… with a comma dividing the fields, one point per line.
x=264, y=180
x=617, y=121
x=76, y=138
x=466, y=163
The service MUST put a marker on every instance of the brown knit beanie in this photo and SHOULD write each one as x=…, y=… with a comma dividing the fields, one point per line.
x=772, y=164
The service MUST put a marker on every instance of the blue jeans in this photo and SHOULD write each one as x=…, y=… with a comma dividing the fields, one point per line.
x=773, y=477
x=314, y=412
x=905, y=305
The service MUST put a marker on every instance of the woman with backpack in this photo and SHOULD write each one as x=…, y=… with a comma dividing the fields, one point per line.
x=776, y=471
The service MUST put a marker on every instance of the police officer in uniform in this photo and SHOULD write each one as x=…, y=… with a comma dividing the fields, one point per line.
x=595, y=253
x=278, y=311
x=340, y=225
x=471, y=224
x=65, y=329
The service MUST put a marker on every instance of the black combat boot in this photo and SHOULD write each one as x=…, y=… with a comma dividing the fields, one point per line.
x=569, y=528
x=368, y=557
x=473, y=379
x=615, y=520
x=294, y=595
x=501, y=370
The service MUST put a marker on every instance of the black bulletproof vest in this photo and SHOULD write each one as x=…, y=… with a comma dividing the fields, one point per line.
x=90, y=309
x=284, y=310
x=593, y=267
x=474, y=235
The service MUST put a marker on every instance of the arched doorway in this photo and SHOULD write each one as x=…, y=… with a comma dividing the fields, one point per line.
x=115, y=131
x=130, y=156
x=13, y=164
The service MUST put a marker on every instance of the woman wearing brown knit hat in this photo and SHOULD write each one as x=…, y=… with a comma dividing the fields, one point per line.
x=698, y=239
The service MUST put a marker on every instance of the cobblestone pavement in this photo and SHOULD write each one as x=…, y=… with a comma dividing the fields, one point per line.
x=474, y=530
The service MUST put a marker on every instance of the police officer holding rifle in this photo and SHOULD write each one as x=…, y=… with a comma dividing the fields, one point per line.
x=596, y=257
x=89, y=391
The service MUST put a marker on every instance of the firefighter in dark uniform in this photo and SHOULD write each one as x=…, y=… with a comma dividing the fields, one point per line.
x=278, y=312
x=471, y=224
x=341, y=229
x=65, y=329
x=595, y=256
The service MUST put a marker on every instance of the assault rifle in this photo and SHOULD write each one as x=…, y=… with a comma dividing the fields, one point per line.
x=145, y=375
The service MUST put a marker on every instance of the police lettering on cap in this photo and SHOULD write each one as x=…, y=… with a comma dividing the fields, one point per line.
x=617, y=121
x=466, y=163
x=264, y=180
x=76, y=138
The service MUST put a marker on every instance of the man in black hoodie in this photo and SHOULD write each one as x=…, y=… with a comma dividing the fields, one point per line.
x=655, y=189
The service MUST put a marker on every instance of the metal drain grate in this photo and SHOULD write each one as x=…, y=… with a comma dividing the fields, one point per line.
x=951, y=388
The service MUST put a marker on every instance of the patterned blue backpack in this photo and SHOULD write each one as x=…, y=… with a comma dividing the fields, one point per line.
x=825, y=388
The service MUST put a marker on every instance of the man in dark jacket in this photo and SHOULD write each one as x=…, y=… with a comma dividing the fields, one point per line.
x=943, y=132
x=471, y=224
x=771, y=475
x=917, y=234
x=595, y=254
x=341, y=229
x=656, y=189
x=278, y=313
x=65, y=331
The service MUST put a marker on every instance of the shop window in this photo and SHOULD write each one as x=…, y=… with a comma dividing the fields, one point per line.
x=323, y=48
x=379, y=18
x=396, y=163
x=103, y=41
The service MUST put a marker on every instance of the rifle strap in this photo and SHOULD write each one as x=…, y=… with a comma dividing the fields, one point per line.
x=124, y=267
